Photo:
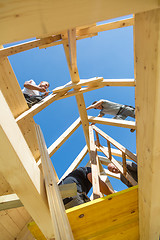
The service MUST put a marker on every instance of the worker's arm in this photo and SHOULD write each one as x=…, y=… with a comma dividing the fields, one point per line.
x=104, y=188
x=95, y=105
x=30, y=86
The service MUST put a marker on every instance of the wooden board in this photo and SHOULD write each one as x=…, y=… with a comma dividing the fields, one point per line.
x=147, y=49
x=29, y=19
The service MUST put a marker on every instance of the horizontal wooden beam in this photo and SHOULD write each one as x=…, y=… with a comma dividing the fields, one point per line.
x=12, y=200
x=116, y=152
x=112, y=122
x=35, y=23
x=9, y=201
x=58, y=143
x=8, y=51
x=92, y=30
x=19, y=168
x=114, y=175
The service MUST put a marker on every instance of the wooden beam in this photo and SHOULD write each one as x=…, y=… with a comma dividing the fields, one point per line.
x=94, y=165
x=70, y=51
x=147, y=49
x=27, y=45
x=19, y=168
x=76, y=162
x=116, y=144
x=92, y=30
x=116, y=152
x=58, y=143
x=12, y=200
x=114, y=175
x=59, y=218
x=9, y=201
x=82, y=12
x=107, y=26
x=104, y=160
x=113, y=122
x=39, y=106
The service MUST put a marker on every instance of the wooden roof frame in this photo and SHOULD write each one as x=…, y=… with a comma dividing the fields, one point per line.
x=147, y=72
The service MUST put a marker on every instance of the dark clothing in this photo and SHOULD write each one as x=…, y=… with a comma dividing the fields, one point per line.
x=132, y=170
x=78, y=176
x=32, y=100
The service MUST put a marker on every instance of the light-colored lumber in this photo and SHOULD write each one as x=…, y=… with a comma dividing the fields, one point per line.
x=70, y=52
x=44, y=22
x=76, y=162
x=114, y=175
x=92, y=30
x=112, y=217
x=39, y=106
x=147, y=55
x=5, y=187
x=21, y=171
x=105, y=160
x=112, y=122
x=116, y=144
x=94, y=165
x=115, y=162
x=59, y=218
x=107, y=26
x=9, y=201
x=116, y=152
x=58, y=143
x=27, y=45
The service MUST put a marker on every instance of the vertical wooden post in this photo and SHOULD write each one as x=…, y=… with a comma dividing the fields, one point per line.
x=59, y=218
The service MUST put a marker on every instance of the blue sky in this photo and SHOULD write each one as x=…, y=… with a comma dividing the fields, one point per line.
x=108, y=55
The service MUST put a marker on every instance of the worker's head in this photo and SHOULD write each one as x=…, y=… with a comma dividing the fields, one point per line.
x=99, y=107
x=44, y=84
x=113, y=168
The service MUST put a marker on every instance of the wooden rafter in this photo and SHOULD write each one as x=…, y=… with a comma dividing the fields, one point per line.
x=19, y=168
x=84, y=14
x=70, y=51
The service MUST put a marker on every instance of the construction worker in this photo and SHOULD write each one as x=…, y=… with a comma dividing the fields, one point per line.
x=119, y=111
x=83, y=179
x=131, y=168
x=32, y=92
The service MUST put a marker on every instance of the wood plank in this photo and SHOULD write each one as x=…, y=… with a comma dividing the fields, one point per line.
x=8, y=51
x=94, y=165
x=114, y=175
x=59, y=218
x=21, y=170
x=76, y=162
x=58, y=143
x=107, y=26
x=71, y=47
x=147, y=49
x=116, y=144
x=44, y=22
x=116, y=152
x=113, y=217
x=4, y=233
x=5, y=187
x=9, y=201
x=112, y=122
x=104, y=160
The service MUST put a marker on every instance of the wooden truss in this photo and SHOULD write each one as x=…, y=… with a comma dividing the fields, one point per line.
x=22, y=176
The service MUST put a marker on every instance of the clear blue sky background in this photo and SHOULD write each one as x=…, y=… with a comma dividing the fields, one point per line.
x=108, y=55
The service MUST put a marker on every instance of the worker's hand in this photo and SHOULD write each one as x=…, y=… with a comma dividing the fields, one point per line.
x=46, y=93
x=42, y=89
